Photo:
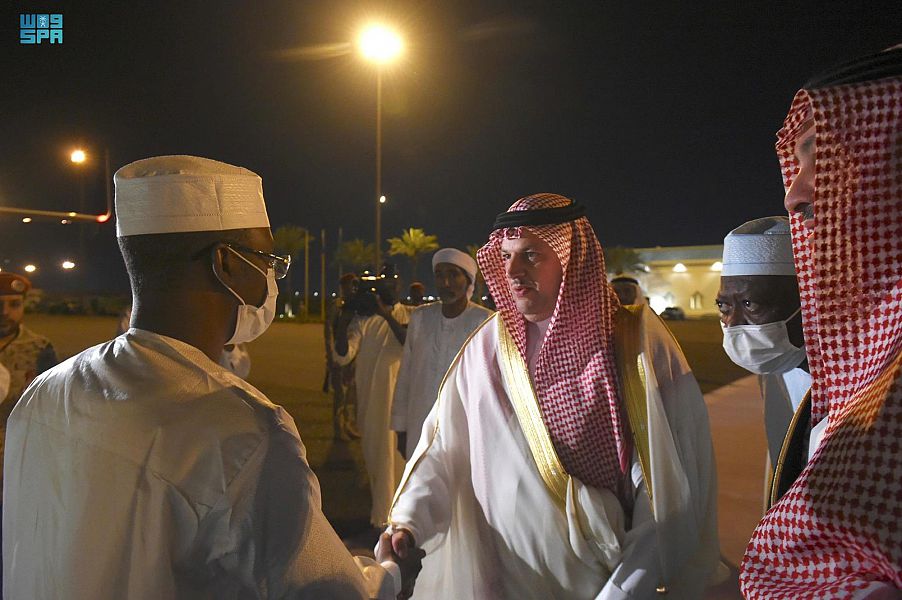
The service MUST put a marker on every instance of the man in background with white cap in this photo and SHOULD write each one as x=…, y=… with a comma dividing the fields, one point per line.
x=628, y=290
x=762, y=326
x=434, y=337
x=141, y=468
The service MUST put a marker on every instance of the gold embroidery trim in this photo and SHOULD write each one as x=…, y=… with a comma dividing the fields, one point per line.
x=526, y=406
x=633, y=383
x=408, y=472
x=784, y=449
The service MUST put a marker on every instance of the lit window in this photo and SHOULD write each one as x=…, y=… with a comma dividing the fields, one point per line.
x=696, y=301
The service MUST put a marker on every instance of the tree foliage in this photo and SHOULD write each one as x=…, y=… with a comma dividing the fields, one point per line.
x=412, y=243
x=355, y=254
x=618, y=259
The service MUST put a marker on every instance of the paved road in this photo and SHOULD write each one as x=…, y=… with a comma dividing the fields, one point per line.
x=288, y=366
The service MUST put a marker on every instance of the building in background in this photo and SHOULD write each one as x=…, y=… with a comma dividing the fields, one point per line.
x=686, y=277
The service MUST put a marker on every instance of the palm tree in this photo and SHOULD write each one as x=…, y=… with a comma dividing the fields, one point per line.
x=412, y=243
x=355, y=254
x=622, y=260
x=290, y=240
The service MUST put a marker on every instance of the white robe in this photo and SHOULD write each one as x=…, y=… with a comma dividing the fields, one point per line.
x=142, y=469
x=378, y=354
x=782, y=393
x=433, y=341
x=474, y=500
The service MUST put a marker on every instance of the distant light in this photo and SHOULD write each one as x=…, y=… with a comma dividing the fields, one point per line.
x=717, y=266
x=380, y=44
x=679, y=268
x=65, y=222
x=297, y=293
x=430, y=298
x=26, y=219
x=103, y=218
x=381, y=199
x=30, y=268
x=68, y=265
x=646, y=268
x=484, y=298
x=316, y=294
x=78, y=156
x=334, y=295
x=72, y=214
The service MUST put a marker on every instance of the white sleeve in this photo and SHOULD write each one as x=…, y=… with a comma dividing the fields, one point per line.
x=270, y=532
x=354, y=335
x=383, y=580
x=639, y=570
x=423, y=501
x=401, y=399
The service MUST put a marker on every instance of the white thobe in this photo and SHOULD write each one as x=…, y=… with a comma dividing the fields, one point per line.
x=433, y=341
x=378, y=353
x=142, y=469
x=475, y=501
x=782, y=393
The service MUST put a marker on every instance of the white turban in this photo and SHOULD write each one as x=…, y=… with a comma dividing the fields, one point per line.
x=759, y=247
x=458, y=259
x=169, y=194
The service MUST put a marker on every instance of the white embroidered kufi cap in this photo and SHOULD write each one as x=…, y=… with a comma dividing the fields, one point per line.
x=170, y=194
x=459, y=259
x=759, y=247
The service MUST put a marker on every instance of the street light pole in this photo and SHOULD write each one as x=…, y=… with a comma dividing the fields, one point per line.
x=379, y=45
x=378, y=263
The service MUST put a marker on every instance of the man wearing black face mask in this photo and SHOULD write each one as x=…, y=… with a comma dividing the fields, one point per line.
x=762, y=325
x=142, y=468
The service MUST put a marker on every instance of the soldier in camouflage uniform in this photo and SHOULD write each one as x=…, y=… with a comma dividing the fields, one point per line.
x=23, y=353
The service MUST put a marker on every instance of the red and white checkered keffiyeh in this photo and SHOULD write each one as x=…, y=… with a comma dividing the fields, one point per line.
x=838, y=530
x=575, y=379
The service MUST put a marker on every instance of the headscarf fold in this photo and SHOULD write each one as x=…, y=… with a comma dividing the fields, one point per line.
x=575, y=378
x=838, y=529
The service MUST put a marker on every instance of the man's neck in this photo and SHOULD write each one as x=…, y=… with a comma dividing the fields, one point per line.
x=454, y=309
x=183, y=321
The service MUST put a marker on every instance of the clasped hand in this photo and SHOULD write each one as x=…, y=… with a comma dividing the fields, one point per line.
x=399, y=547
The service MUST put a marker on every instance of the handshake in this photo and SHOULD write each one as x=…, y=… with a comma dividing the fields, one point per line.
x=398, y=546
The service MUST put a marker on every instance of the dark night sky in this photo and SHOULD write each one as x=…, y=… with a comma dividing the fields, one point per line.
x=660, y=116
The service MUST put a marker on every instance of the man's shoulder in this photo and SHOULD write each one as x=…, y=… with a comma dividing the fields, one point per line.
x=30, y=338
x=478, y=312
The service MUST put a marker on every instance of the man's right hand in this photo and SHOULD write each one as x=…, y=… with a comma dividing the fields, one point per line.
x=399, y=547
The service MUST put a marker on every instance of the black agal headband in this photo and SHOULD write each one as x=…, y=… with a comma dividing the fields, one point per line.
x=541, y=216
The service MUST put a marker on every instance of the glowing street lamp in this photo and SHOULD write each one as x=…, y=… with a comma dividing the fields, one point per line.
x=380, y=45
x=78, y=156
x=30, y=268
x=68, y=265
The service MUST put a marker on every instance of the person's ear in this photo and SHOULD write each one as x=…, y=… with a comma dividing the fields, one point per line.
x=224, y=265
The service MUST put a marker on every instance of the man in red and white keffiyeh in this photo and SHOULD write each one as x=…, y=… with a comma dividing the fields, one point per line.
x=528, y=480
x=837, y=533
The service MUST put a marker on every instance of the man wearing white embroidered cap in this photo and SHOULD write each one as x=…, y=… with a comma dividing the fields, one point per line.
x=434, y=337
x=762, y=325
x=141, y=467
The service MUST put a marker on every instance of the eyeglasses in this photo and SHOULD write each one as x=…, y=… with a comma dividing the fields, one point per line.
x=279, y=264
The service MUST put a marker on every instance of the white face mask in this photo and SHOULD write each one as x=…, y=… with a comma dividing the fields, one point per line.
x=762, y=349
x=252, y=321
